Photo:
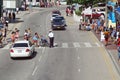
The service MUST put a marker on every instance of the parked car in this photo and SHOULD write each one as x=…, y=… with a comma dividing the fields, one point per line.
x=53, y=16
x=22, y=48
x=56, y=12
x=58, y=23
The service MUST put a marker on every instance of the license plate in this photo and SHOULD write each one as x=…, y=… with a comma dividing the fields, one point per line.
x=19, y=51
x=58, y=27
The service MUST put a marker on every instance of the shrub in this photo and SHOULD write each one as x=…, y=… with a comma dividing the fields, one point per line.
x=78, y=12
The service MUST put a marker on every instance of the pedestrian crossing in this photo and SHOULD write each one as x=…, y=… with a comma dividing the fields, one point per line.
x=79, y=45
x=69, y=45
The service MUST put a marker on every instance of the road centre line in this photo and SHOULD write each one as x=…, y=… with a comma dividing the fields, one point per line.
x=35, y=69
x=78, y=70
x=43, y=50
x=78, y=57
x=40, y=58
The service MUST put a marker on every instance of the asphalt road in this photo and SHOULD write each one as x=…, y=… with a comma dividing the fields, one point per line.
x=78, y=56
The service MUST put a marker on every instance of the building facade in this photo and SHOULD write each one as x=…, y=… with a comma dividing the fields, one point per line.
x=11, y=4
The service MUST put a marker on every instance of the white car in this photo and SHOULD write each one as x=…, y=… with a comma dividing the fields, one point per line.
x=22, y=48
x=53, y=16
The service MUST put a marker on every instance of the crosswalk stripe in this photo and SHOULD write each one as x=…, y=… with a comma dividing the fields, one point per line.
x=76, y=44
x=67, y=45
x=64, y=45
x=87, y=44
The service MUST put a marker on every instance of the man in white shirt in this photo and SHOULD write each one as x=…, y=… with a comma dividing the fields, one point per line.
x=51, y=38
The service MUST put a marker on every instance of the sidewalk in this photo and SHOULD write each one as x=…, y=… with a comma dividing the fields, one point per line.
x=111, y=48
x=12, y=26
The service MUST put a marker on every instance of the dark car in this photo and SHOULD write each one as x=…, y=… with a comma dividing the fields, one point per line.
x=60, y=17
x=56, y=12
x=58, y=23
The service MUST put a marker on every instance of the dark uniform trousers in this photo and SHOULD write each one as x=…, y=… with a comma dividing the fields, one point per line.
x=51, y=41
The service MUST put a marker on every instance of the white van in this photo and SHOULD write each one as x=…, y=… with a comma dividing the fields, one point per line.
x=99, y=10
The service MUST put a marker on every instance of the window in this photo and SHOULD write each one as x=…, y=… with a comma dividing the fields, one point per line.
x=20, y=45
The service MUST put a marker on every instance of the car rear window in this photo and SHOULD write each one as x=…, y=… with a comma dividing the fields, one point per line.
x=54, y=15
x=20, y=45
x=57, y=20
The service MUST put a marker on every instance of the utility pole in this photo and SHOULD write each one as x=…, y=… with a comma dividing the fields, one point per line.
x=1, y=8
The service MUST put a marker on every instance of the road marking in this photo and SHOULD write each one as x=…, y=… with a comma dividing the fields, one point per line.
x=78, y=70
x=34, y=71
x=97, y=44
x=43, y=50
x=40, y=58
x=76, y=44
x=64, y=45
x=87, y=44
x=78, y=57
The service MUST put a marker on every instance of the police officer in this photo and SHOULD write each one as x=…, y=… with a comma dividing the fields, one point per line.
x=51, y=38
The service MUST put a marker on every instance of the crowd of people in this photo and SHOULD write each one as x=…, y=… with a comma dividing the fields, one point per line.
x=8, y=17
x=108, y=34
x=34, y=38
x=69, y=10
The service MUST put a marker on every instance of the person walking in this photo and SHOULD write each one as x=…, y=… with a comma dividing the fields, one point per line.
x=118, y=46
x=13, y=37
x=29, y=31
x=67, y=9
x=51, y=38
x=26, y=35
x=17, y=35
x=106, y=36
x=4, y=35
x=13, y=16
x=10, y=16
x=6, y=24
x=17, y=10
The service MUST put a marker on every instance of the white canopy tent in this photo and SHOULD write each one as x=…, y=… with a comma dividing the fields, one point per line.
x=87, y=11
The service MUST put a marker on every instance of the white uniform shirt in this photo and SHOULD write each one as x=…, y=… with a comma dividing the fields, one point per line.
x=51, y=35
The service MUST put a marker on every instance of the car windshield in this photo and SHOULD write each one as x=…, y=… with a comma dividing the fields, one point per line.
x=54, y=15
x=60, y=17
x=56, y=12
x=20, y=45
x=57, y=20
